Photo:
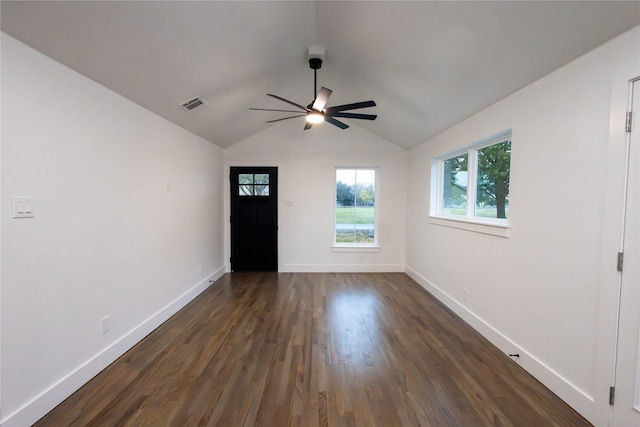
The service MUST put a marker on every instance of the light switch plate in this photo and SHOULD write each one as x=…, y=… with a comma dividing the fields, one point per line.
x=22, y=206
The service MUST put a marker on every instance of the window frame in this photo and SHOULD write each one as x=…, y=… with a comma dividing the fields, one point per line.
x=354, y=246
x=495, y=226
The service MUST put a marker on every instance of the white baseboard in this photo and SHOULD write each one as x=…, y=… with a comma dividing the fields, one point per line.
x=574, y=396
x=342, y=268
x=54, y=395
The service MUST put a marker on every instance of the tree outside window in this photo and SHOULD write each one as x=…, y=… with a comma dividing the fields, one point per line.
x=494, y=169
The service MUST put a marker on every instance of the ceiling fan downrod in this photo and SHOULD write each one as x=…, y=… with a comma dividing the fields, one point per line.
x=315, y=64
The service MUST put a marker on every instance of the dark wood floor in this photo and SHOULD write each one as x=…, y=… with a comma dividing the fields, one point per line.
x=270, y=349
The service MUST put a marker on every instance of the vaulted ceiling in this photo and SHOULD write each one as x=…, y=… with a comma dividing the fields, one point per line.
x=428, y=65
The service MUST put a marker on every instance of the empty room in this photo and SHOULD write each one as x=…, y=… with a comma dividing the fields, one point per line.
x=320, y=213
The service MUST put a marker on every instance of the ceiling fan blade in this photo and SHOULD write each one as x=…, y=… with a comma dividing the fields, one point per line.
x=285, y=118
x=364, y=104
x=321, y=99
x=307, y=126
x=336, y=122
x=354, y=116
x=288, y=102
x=270, y=109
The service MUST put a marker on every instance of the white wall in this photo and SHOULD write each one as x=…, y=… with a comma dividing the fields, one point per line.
x=107, y=237
x=535, y=293
x=306, y=162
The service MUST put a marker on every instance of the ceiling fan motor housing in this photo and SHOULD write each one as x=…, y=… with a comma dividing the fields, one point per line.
x=315, y=53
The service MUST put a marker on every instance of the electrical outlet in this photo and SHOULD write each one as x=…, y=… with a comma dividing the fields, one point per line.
x=466, y=294
x=200, y=268
x=106, y=324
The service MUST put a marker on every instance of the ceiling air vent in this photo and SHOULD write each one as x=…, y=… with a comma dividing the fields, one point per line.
x=192, y=103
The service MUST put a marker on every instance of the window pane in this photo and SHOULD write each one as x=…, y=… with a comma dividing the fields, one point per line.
x=454, y=188
x=245, y=178
x=261, y=190
x=245, y=190
x=492, y=191
x=261, y=178
x=365, y=224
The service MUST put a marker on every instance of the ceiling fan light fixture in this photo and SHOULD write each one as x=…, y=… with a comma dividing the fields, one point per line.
x=315, y=117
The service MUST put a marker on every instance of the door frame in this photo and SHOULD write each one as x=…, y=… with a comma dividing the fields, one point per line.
x=227, y=205
x=613, y=227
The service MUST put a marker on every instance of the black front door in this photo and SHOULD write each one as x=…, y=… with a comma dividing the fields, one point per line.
x=254, y=219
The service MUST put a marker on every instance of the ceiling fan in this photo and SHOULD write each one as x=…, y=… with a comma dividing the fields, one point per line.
x=316, y=112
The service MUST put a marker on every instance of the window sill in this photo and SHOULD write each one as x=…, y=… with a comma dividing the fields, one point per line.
x=500, y=230
x=355, y=248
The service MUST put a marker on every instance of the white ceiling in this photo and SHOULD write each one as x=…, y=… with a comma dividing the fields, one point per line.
x=428, y=65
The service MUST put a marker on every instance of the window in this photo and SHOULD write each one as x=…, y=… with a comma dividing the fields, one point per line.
x=473, y=184
x=355, y=213
x=253, y=184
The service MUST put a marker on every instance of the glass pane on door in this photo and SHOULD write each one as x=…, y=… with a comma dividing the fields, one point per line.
x=245, y=178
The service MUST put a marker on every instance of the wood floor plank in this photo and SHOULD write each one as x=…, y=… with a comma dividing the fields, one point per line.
x=317, y=350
